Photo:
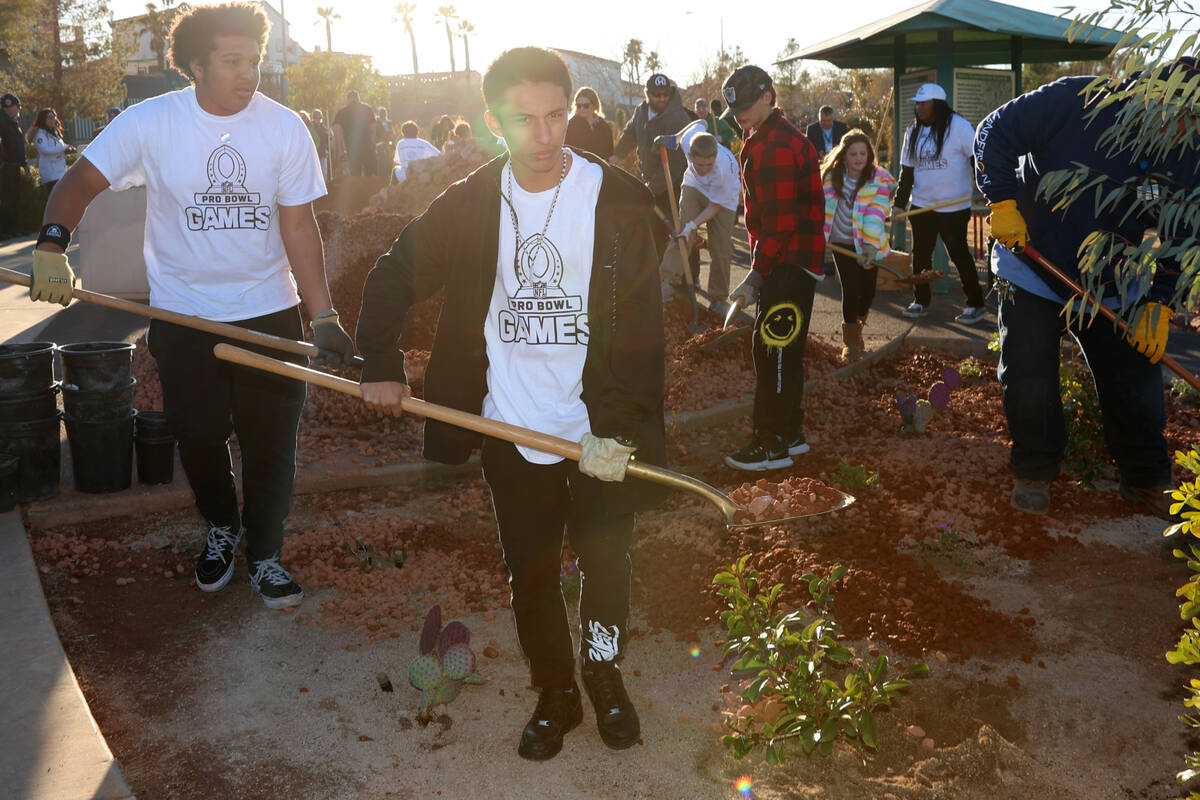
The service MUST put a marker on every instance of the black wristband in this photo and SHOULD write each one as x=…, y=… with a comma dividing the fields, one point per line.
x=55, y=234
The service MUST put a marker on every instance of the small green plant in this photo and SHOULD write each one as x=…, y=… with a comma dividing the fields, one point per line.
x=971, y=367
x=853, y=478
x=446, y=662
x=948, y=537
x=1086, y=457
x=802, y=685
x=1183, y=392
x=1187, y=651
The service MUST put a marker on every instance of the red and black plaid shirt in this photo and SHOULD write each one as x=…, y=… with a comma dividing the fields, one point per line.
x=785, y=202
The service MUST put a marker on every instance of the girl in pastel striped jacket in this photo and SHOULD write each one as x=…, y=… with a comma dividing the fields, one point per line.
x=857, y=198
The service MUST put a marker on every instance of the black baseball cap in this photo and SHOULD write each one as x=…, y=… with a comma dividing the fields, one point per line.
x=743, y=87
x=8, y=100
x=657, y=81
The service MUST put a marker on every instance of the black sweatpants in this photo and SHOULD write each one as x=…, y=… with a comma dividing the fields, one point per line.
x=952, y=227
x=207, y=399
x=858, y=286
x=780, y=334
x=533, y=504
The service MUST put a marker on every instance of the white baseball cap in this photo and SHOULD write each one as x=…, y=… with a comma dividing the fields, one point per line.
x=929, y=91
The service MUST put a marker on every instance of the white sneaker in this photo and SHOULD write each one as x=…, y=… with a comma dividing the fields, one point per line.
x=971, y=315
x=914, y=310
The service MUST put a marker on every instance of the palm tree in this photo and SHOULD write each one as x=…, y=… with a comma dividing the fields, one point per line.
x=632, y=58
x=465, y=28
x=158, y=25
x=448, y=15
x=326, y=13
x=653, y=62
x=404, y=12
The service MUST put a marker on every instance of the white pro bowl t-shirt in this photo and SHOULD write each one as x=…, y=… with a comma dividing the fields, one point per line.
x=214, y=185
x=945, y=176
x=537, y=326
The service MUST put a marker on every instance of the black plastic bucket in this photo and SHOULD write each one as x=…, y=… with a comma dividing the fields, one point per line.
x=101, y=454
x=97, y=365
x=29, y=406
x=98, y=405
x=36, y=444
x=151, y=425
x=26, y=367
x=10, y=482
x=155, y=459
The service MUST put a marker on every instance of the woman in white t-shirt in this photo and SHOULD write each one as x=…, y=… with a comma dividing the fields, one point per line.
x=937, y=166
x=46, y=134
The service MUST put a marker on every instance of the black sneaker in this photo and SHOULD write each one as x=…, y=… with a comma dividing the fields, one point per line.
x=616, y=718
x=761, y=454
x=558, y=712
x=215, y=567
x=274, y=584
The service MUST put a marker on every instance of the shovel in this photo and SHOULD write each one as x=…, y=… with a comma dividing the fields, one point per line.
x=694, y=326
x=934, y=207
x=898, y=263
x=1108, y=313
x=186, y=320
x=509, y=433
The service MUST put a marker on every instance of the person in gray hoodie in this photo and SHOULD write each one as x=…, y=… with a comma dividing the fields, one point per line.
x=662, y=113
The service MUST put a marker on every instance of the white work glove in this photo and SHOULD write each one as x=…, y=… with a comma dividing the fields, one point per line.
x=867, y=259
x=686, y=231
x=748, y=289
x=604, y=459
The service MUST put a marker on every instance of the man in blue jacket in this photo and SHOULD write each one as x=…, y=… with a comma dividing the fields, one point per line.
x=1041, y=131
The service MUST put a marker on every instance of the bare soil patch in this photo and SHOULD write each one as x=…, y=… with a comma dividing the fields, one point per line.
x=1044, y=634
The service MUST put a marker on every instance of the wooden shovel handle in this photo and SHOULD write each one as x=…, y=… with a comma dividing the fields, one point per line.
x=683, y=251
x=934, y=207
x=186, y=320
x=1105, y=311
x=472, y=422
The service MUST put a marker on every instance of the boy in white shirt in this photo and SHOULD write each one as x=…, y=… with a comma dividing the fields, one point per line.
x=551, y=320
x=410, y=148
x=230, y=236
x=709, y=196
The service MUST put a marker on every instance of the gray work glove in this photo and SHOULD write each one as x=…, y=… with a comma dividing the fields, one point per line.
x=336, y=348
x=604, y=459
x=748, y=289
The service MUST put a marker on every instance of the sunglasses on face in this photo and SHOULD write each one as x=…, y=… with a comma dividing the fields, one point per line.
x=583, y=105
x=660, y=95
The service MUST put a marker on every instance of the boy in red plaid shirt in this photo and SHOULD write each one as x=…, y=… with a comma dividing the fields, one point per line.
x=785, y=214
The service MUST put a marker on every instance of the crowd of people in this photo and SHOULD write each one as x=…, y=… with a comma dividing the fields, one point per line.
x=554, y=264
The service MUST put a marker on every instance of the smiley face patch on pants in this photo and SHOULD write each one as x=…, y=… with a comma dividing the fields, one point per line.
x=781, y=325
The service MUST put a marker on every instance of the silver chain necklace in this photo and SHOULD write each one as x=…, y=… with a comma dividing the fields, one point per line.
x=513, y=210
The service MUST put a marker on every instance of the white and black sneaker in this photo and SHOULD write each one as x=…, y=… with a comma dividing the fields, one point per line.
x=215, y=567
x=274, y=584
x=972, y=315
x=763, y=453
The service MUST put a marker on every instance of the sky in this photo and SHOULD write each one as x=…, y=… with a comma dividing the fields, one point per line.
x=683, y=39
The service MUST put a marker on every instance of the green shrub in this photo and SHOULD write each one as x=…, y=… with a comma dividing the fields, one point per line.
x=1187, y=651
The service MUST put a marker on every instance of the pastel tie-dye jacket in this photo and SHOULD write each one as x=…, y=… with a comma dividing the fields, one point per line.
x=871, y=206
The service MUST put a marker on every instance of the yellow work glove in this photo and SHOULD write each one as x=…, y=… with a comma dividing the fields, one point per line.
x=52, y=278
x=1008, y=226
x=1148, y=331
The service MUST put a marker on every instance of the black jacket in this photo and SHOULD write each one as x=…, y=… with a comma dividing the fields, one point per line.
x=641, y=131
x=12, y=143
x=453, y=246
x=816, y=135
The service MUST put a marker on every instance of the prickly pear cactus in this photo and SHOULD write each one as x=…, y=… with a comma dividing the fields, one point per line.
x=425, y=672
x=923, y=414
x=458, y=661
x=452, y=634
x=431, y=629
x=447, y=689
